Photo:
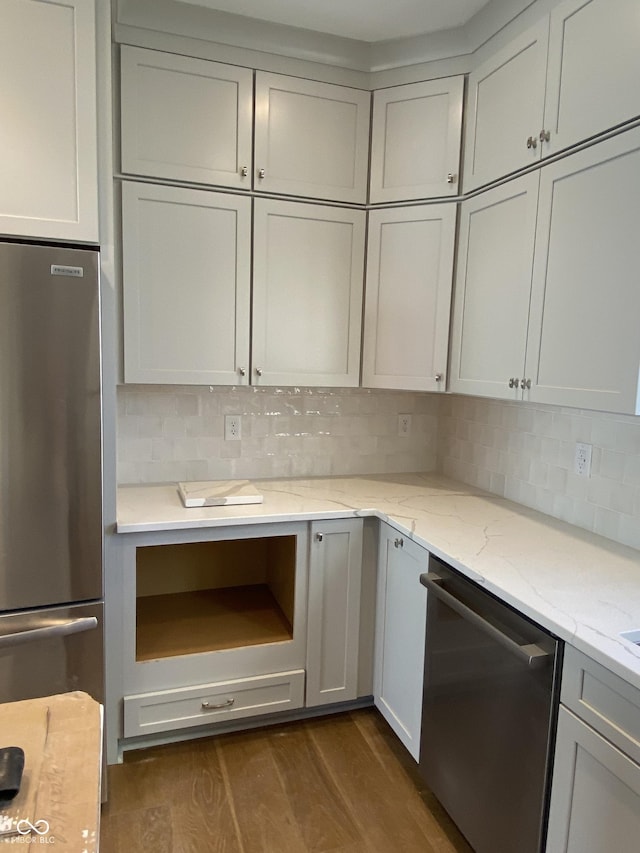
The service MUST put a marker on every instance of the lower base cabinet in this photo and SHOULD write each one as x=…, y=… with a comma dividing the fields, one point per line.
x=401, y=618
x=595, y=792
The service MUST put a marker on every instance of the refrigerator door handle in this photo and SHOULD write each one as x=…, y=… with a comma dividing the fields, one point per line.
x=48, y=632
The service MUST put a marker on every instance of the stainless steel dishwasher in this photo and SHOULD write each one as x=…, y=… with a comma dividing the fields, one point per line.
x=489, y=712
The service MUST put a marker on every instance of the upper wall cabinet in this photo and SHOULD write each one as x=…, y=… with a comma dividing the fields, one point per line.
x=415, y=148
x=545, y=91
x=406, y=322
x=48, y=161
x=186, y=119
x=311, y=139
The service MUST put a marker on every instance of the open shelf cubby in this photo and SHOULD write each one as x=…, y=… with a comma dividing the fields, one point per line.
x=207, y=596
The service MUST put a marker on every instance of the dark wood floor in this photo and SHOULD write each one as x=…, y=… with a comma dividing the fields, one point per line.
x=341, y=783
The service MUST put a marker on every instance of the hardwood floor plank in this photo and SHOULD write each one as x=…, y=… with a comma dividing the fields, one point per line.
x=140, y=830
x=325, y=823
x=261, y=805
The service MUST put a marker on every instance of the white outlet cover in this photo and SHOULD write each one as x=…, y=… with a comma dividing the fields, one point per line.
x=582, y=460
x=404, y=425
x=232, y=428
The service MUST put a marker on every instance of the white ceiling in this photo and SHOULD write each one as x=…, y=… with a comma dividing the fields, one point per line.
x=365, y=20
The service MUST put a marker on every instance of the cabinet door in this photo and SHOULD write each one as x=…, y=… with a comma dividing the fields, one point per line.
x=185, y=119
x=493, y=287
x=588, y=94
x=408, y=296
x=584, y=348
x=48, y=160
x=415, y=148
x=311, y=139
x=401, y=617
x=307, y=294
x=506, y=108
x=595, y=793
x=333, y=618
x=186, y=282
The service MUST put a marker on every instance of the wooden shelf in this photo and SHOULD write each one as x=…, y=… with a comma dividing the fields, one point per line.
x=187, y=623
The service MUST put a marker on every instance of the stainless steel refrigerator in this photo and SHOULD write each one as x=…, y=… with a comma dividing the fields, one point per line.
x=51, y=543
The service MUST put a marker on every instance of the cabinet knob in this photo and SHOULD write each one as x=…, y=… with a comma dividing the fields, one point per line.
x=513, y=383
x=398, y=543
x=258, y=371
x=438, y=377
x=451, y=178
x=532, y=142
x=207, y=706
x=244, y=171
x=242, y=371
x=525, y=383
x=261, y=173
x=545, y=135
x=319, y=537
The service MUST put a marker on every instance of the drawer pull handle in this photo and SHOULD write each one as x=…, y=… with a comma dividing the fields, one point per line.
x=207, y=706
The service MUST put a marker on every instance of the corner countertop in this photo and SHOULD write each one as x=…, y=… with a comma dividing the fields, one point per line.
x=582, y=587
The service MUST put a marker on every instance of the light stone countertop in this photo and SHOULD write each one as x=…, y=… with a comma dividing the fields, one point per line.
x=582, y=587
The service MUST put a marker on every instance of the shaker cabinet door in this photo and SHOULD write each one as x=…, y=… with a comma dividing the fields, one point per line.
x=48, y=137
x=506, y=109
x=307, y=294
x=311, y=139
x=186, y=119
x=186, y=281
x=583, y=345
x=493, y=288
x=408, y=297
x=415, y=148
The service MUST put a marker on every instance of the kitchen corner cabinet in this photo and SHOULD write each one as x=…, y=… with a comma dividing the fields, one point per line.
x=539, y=325
x=408, y=294
x=415, y=140
x=401, y=616
x=595, y=791
x=333, y=620
x=311, y=139
x=308, y=268
x=545, y=91
x=48, y=143
x=186, y=285
x=185, y=119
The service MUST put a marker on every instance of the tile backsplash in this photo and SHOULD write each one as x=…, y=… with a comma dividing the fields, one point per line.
x=520, y=451
x=525, y=452
x=177, y=433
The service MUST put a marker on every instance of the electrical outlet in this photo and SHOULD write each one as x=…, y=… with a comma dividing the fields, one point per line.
x=232, y=428
x=582, y=460
x=404, y=425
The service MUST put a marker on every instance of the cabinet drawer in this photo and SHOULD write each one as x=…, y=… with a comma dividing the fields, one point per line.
x=602, y=699
x=148, y=713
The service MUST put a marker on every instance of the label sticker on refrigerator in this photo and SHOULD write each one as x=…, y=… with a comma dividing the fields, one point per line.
x=58, y=269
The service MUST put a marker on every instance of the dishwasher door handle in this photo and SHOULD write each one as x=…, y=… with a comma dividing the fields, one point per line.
x=49, y=632
x=530, y=654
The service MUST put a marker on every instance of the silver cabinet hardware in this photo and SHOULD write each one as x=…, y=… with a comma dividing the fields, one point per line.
x=242, y=371
x=525, y=383
x=258, y=371
x=207, y=706
x=545, y=135
x=398, y=543
x=532, y=142
x=319, y=537
x=244, y=171
x=261, y=173
x=438, y=377
x=451, y=178
x=513, y=383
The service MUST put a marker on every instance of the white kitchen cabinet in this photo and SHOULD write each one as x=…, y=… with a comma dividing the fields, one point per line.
x=493, y=290
x=185, y=119
x=307, y=294
x=583, y=346
x=595, y=791
x=311, y=139
x=333, y=618
x=506, y=109
x=48, y=141
x=415, y=140
x=569, y=78
x=186, y=283
x=401, y=614
x=408, y=295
